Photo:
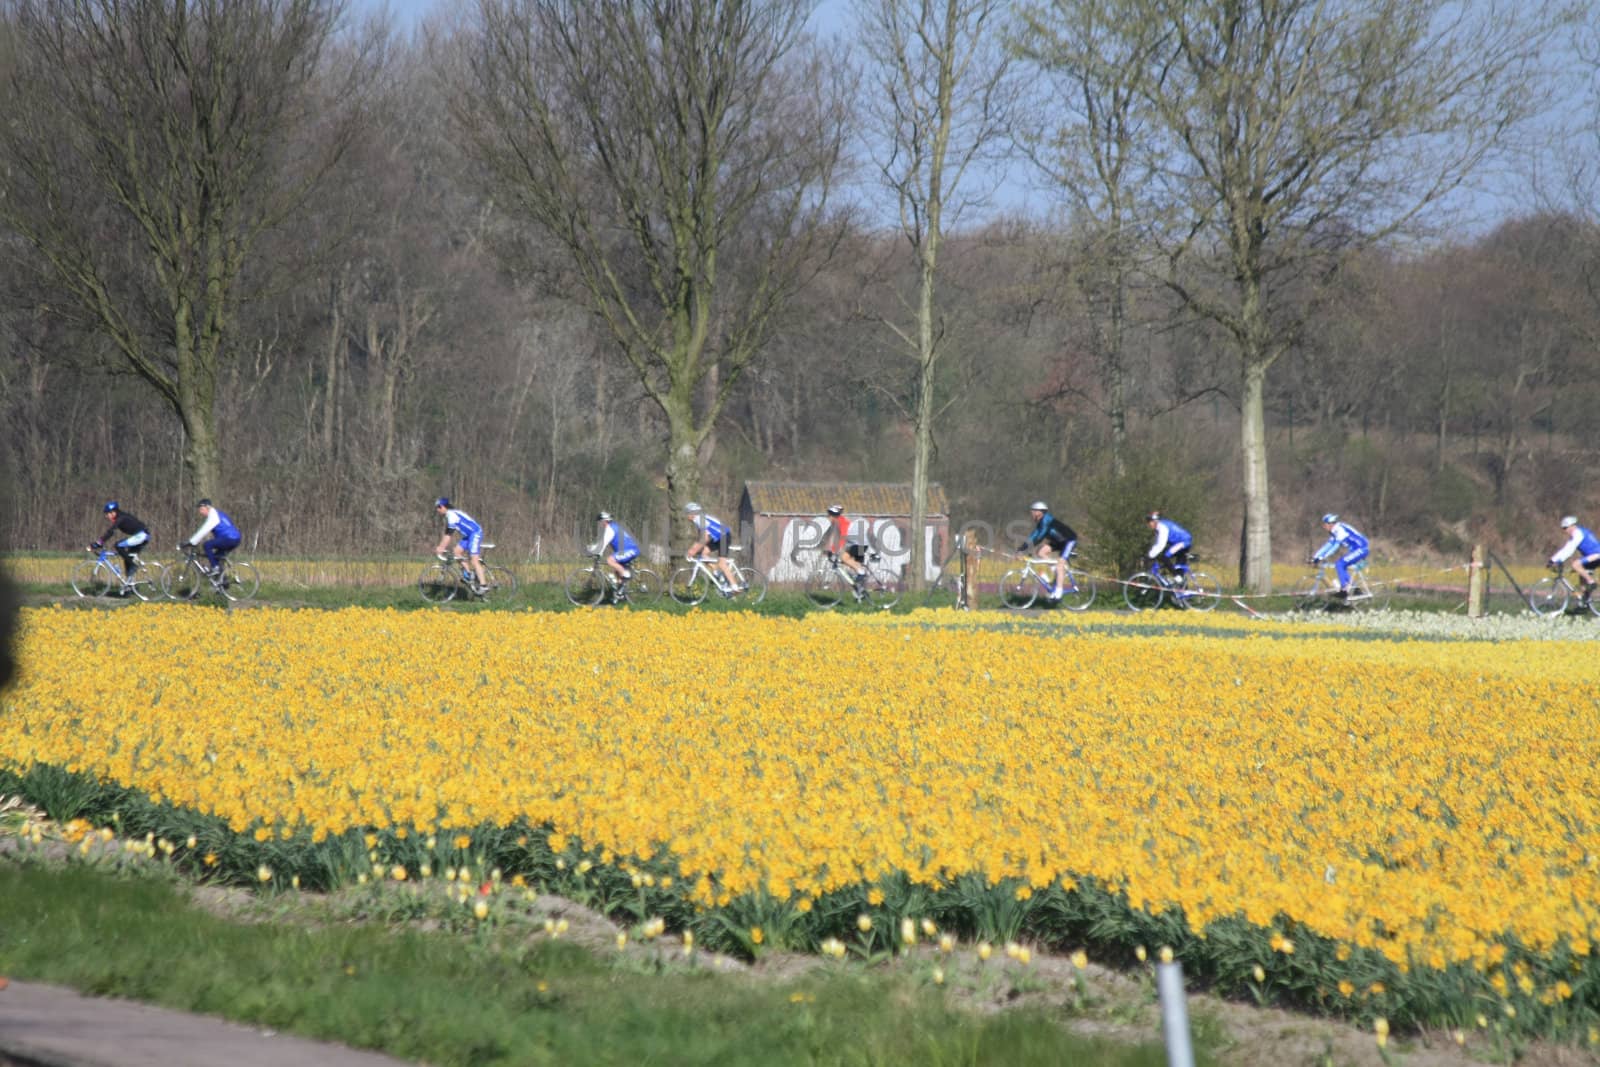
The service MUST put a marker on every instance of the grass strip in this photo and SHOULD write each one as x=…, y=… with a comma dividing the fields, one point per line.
x=462, y=1000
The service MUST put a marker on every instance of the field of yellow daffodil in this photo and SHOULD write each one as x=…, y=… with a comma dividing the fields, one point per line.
x=1405, y=829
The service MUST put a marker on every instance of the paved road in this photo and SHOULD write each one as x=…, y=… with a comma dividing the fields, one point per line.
x=48, y=1026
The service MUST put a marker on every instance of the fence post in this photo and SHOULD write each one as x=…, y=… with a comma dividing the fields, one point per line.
x=964, y=594
x=1475, y=576
x=1174, y=1014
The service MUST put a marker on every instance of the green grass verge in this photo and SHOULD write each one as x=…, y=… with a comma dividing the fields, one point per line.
x=460, y=1000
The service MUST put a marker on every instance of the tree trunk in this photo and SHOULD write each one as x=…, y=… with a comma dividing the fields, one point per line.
x=1116, y=383
x=330, y=386
x=1255, y=542
x=683, y=457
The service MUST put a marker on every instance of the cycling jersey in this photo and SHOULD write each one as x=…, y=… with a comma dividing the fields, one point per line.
x=1582, y=542
x=219, y=526
x=708, y=524
x=138, y=533
x=1342, y=535
x=1051, y=529
x=466, y=527
x=616, y=537
x=1170, y=539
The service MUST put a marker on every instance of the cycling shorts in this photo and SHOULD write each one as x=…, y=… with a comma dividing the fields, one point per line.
x=627, y=555
x=472, y=543
x=135, y=540
x=856, y=552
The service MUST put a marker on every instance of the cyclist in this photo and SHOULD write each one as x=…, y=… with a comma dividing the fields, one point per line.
x=1583, y=549
x=616, y=544
x=844, y=549
x=1054, y=538
x=137, y=534
x=1341, y=535
x=223, y=535
x=712, y=543
x=468, y=535
x=1171, y=547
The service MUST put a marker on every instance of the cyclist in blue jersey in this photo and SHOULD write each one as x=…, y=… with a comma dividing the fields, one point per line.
x=1055, y=539
x=713, y=543
x=1341, y=535
x=223, y=535
x=468, y=536
x=1583, y=549
x=616, y=544
x=135, y=532
x=1171, y=546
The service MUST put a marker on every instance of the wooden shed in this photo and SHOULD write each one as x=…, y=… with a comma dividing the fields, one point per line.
x=780, y=523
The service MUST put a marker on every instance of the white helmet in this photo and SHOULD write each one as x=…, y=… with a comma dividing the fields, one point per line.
x=604, y=516
x=1038, y=505
x=1569, y=522
x=691, y=507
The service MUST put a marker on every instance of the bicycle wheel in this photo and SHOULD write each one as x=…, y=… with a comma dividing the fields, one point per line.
x=240, y=581
x=183, y=581
x=439, y=582
x=689, y=586
x=1142, y=592
x=1079, y=592
x=755, y=585
x=826, y=587
x=1370, y=595
x=1549, y=596
x=501, y=585
x=1199, y=592
x=644, y=587
x=1019, y=589
x=585, y=587
x=91, y=577
x=146, y=583
x=945, y=590
x=885, y=588
x=1309, y=594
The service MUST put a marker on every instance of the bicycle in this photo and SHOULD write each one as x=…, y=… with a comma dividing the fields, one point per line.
x=101, y=576
x=1147, y=590
x=1319, y=590
x=1554, y=595
x=691, y=584
x=1020, y=588
x=589, y=586
x=832, y=582
x=234, y=580
x=452, y=577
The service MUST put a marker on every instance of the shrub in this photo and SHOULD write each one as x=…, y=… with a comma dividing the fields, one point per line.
x=1115, y=532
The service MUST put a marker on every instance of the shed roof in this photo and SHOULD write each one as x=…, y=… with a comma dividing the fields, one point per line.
x=878, y=499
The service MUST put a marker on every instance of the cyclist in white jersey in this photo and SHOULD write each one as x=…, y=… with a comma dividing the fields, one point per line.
x=712, y=543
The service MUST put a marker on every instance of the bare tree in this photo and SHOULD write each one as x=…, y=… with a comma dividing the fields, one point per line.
x=682, y=152
x=1091, y=139
x=146, y=147
x=943, y=106
x=1297, y=131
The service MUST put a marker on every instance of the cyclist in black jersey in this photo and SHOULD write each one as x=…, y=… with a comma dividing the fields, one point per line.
x=1054, y=538
x=135, y=534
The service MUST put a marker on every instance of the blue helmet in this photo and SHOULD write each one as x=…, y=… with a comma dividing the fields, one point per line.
x=442, y=502
x=1330, y=518
x=112, y=505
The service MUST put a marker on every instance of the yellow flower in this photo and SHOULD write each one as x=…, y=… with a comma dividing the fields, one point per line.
x=1140, y=954
x=1346, y=987
x=1380, y=1027
x=480, y=910
x=756, y=936
x=863, y=922
x=875, y=896
x=1024, y=892
x=1260, y=975
x=1080, y=959
x=938, y=976
x=803, y=905
x=984, y=950
x=263, y=873
x=397, y=872
x=463, y=842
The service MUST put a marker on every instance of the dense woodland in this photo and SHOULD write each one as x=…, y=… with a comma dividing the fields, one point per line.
x=393, y=311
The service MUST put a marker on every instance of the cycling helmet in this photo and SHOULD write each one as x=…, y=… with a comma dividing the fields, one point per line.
x=1153, y=516
x=835, y=509
x=692, y=508
x=442, y=502
x=112, y=505
x=1569, y=522
x=1330, y=518
x=604, y=516
x=1038, y=505
x=203, y=502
